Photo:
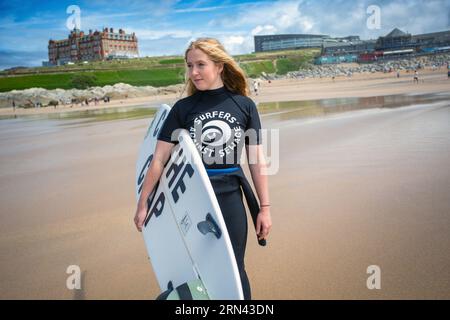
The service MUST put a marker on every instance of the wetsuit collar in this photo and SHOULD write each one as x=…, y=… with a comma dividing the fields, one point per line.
x=214, y=91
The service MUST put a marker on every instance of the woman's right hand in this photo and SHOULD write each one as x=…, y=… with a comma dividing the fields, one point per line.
x=139, y=218
x=160, y=157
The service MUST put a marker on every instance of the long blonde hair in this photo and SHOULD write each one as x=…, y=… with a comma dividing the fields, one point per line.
x=233, y=77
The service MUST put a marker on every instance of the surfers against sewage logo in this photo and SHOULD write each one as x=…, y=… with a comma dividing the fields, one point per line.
x=216, y=135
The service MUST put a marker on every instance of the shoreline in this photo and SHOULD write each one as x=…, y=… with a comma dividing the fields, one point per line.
x=358, y=85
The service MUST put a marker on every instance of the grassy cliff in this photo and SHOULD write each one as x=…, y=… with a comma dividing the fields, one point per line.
x=153, y=71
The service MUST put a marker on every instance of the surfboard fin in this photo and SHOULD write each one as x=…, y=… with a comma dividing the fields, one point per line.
x=209, y=226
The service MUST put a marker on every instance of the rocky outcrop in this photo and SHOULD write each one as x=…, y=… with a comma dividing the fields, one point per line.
x=33, y=96
x=335, y=70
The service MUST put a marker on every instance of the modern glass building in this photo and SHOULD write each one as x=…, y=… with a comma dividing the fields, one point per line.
x=288, y=41
x=352, y=47
x=435, y=39
x=398, y=39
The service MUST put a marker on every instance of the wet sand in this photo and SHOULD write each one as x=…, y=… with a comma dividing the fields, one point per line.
x=363, y=188
x=354, y=189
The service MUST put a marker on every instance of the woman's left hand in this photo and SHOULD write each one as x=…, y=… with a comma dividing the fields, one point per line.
x=263, y=223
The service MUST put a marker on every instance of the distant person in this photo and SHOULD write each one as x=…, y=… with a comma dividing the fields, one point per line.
x=398, y=74
x=448, y=69
x=416, y=76
x=14, y=105
x=255, y=87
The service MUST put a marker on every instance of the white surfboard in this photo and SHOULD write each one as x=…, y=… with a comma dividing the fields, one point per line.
x=184, y=232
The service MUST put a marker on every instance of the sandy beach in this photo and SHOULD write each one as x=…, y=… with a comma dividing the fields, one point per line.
x=354, y=189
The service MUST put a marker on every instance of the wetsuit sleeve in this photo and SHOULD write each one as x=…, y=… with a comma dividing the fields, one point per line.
x=253, y=130
x=170, y=125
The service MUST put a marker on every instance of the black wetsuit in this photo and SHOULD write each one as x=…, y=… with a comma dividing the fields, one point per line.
x=220, y=124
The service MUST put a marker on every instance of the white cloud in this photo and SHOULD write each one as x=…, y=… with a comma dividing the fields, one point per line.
x=266, y=29
x=234, y=44
x=204, y=9
x=276, y=17
x=167, y=27
x=334, y=18
x=149, y=34
x=282, y=14
x=154, y=8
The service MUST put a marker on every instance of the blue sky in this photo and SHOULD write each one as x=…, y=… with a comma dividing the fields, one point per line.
x=166, y=27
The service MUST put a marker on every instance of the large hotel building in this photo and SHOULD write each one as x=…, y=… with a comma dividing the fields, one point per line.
x=96, y=45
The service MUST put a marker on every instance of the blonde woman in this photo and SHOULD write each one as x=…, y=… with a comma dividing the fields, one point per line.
x=221, y=119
